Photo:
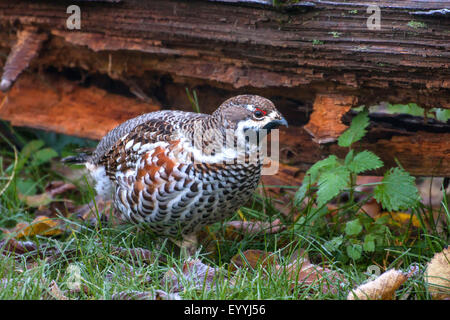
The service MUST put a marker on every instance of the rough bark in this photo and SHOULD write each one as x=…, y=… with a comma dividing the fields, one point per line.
x=306, y=56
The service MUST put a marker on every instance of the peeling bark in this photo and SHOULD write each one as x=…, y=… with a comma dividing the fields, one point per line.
x=325, y=124
x=29, y=42
x=59, y=105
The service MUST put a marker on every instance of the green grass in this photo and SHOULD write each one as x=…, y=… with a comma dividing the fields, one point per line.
x=104, y=272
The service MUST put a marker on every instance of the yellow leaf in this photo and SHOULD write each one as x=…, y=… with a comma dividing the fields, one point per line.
x=40, y=226
x=403, y=218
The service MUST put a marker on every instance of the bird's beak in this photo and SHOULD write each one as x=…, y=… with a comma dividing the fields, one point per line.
x=276, y=123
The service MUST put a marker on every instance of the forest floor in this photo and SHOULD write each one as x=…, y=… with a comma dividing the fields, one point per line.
x=54, y=246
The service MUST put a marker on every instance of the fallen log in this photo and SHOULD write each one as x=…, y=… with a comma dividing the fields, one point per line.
x=316, y=59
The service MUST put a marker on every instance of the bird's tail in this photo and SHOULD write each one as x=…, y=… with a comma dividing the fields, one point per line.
x=79, y=158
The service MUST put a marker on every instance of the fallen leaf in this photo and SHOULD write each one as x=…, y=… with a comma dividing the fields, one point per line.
x=437, y=275
x=17, y=247
x=254, y=227
x=39, y=226
x=58, y=187
x=37, y=200
x=194, y=272
x=104, y=208
x=381, y=288
x=371, y=208
x=304, y=273
x=139, y=254
x=56, y=209
x=253, y=258
x=402, y=218
x=51, y=190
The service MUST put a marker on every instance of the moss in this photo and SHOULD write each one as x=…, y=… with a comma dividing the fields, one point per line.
x=416, y=24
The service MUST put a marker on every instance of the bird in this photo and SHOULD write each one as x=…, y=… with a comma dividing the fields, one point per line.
x=175, y=171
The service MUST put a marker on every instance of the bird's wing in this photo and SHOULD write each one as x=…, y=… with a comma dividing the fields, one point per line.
x=128, y=143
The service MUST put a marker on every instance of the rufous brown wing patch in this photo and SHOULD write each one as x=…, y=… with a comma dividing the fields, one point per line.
x=153, y=163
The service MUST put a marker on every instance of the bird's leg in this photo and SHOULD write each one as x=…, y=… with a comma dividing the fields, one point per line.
x=188, y=245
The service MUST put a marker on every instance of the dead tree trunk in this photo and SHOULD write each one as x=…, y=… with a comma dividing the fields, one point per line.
x=315, y=59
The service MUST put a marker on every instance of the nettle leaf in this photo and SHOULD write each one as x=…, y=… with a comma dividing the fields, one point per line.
x=301, y=193
x=356, y=131
x=320, y=166
x=349, y=158
x=369, y=243
x=364, y=161
x=397, y=190
x=331, y=183
x=334, y=244
x=354, y=251
x=312, y=175
x=353, y=227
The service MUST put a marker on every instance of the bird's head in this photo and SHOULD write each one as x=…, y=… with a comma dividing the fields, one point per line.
x=250, y=112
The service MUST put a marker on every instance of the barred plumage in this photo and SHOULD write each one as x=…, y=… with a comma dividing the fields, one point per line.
x=173, y=171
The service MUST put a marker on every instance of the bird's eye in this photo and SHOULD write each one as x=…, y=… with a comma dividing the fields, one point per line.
x=259, y=113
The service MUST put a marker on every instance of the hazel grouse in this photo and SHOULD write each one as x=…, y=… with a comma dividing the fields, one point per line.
x=176, y=171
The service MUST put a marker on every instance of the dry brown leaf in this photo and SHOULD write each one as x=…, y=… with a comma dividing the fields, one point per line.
x=304, y=273
x=198, y=274
x=55, y=209
x=17, y=247
x=108, y=213
x=51, y=190
x=437, y=275
x=56, y=292
x=37, y=200
x=254, y=227
x=39, y=226
x=372, y=208
x=381, y=288
x=253, y=258
x=54, y=188
x=139, y=254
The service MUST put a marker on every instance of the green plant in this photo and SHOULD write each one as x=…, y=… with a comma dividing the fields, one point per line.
x=416, y=24
x=335, y=34
x=316, y=42
x=328, y=178
x=193, y=100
